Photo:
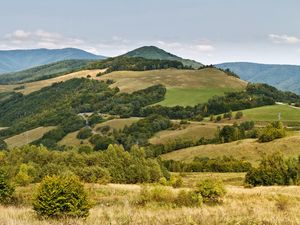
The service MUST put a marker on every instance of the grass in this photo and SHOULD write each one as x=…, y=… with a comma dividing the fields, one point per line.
x=114, y=204
x=118, y=124
x=248, y=149
x=270, y=113
x=27, y=137
x=191, y=96
x=195, y=85
x=193, y=131
x=37, y=85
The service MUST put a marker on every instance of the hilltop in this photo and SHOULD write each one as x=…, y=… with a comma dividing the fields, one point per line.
x=16, y=60
x=284, y=77
x=153, y=52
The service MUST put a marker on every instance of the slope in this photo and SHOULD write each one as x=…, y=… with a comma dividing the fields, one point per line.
x=284, y=77
x=152, y=52
x=16, y=60
x=43, y=72
x=184, y=87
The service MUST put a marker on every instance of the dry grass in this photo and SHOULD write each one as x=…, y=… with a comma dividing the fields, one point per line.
x=72, y=140
x=37, y=85
x=118, y=124
x=248, y=149
x=27, y=137
x=259, y=206
x=129, y=81
x=192, y=131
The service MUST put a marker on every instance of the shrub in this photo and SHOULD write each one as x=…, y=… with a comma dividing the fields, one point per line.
x=6, y=190
x=176, y=181
x=218, y=118
x=61, y=197
x=189, y=199
x=211, y=190
x=158, y=194
x=271, y=132
x=94, y=174
x=84, y=133
x=3, y=145
x=238, y=115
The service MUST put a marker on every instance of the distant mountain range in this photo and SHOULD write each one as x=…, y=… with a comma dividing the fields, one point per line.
x=16, y=60
x=284, y=77
x=152, y=52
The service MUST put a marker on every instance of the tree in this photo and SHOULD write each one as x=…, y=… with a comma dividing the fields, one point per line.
x=6, y=190
x=61, y=197
x=238, y=115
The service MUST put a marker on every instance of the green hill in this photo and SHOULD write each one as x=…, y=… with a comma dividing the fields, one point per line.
x=43, y=72
x=152, y=52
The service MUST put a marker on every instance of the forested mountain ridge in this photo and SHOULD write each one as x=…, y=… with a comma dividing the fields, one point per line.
x=284, y=77
x=16, y=60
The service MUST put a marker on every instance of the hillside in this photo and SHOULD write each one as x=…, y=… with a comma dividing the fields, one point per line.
x=43, y=72
x=284, y=77
x=16, y=60
x=248, y=149
x=184, y=87
x=152, y=52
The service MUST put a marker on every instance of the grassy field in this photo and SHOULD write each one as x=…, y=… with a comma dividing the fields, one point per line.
x=270, y=113
x=118, y=124
x=190, y=86
x=192, y=131
x=248, y=149
x=37, y=85
x=27, y=137
x=191, y=96
x=114, y=204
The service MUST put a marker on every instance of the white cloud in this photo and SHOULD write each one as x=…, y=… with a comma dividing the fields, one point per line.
x=283, y=39
x=21, y=39
x=205, y=48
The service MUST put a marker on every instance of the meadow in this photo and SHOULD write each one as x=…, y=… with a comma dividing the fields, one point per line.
x=248, y=149
x=115, y=204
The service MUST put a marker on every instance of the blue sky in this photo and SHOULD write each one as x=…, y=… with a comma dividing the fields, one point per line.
x=210, y=31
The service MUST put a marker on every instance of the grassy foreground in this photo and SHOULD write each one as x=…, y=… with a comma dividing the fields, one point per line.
x=113, y=204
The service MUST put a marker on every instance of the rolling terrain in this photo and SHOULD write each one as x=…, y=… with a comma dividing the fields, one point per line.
x=184, y=87
x=248, y=149
x=16, y=60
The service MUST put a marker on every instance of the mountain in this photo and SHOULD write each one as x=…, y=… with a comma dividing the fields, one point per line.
x=284, y=77
x=16, y=60
x=44, y=72
x=152, y=52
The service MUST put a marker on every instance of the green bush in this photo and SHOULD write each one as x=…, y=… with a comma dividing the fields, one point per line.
x=158, y=194
x=188, y=199
x=6, y=190
x=84, y=133
x=271, y=132
x=94, y=174
x=61, y=197
x=211, y=190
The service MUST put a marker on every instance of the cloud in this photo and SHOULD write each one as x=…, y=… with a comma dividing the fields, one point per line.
x=283, y=39
x=205, y=48
x=20, y=39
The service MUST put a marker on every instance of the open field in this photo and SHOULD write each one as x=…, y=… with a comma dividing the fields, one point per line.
x=118, y=124
x=191, y=96
x=72, y=140
x=27, y=137
x=184, y=87
x=114, y=204
x=270, y=113
x=193, y=131
x=248, y=149
x=37, y=85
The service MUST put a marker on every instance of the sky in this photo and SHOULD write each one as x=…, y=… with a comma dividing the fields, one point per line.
x=209, y=31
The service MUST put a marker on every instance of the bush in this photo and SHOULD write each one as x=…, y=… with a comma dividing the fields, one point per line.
x=6, y=190
x=211, y=190
x=238, y=115
x=84, y=133
x=271, y=132
x=176, y=181
x=3, y=145
x=94, y=174
x=189, y=199
x=158, y=194
x=61, y=197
